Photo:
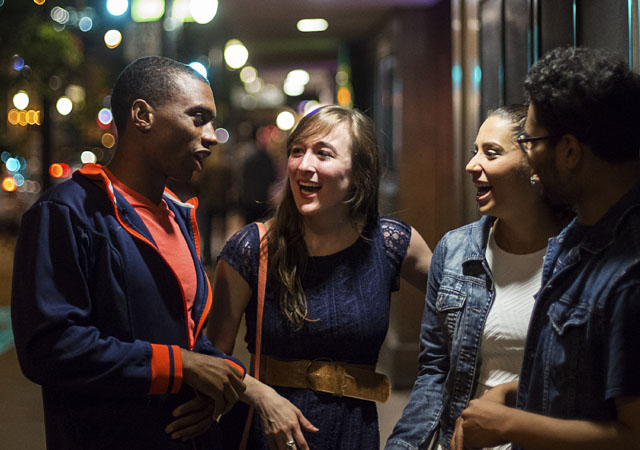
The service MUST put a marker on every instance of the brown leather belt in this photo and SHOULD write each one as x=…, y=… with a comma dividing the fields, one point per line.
x=333, y=377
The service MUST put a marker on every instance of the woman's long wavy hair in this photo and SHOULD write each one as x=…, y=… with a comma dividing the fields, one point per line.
x=286, y=235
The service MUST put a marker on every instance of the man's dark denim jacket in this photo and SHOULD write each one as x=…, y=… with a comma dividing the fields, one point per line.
x=459, y=296
x=583, y=339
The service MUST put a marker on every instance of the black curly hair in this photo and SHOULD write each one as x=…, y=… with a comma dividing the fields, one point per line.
x=591, y=94
x=151, y=78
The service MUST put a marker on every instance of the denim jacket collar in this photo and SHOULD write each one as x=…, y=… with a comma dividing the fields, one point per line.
x=477, y=240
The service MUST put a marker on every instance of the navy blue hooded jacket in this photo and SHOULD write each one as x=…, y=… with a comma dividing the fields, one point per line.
x=99, y=318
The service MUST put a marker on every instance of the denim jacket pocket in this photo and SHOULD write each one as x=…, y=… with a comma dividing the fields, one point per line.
x=564, y=315
x=565, y=356
x=449, y=304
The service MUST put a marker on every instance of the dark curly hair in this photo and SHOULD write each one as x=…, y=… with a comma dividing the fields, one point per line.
x=151, y=78
x=591, y=94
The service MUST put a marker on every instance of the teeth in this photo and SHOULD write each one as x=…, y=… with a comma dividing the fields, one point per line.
x=311, y=185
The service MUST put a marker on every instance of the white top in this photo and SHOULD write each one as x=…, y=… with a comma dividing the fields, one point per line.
x=517, y=279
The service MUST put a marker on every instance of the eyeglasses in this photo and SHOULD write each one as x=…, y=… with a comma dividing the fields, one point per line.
x=525, y=141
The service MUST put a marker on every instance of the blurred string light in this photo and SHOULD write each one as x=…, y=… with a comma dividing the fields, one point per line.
x=21, y=99
x=235, y=54
x=59, y=15
x=64, y=105
x=39, y=2
x=23, y=118
x=75, y=92
x=222, y=135
x=12, y=164
x=112, y=38
x=147, y=10
x=117, y=7
x=312, y=25
x=285, y=120
x=200, y=68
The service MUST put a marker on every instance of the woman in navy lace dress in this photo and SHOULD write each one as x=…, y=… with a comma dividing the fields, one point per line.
x=333, y=263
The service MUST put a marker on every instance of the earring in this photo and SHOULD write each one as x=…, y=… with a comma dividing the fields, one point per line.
x=533, y=180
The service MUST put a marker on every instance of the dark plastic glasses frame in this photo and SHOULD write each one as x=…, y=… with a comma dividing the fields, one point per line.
x=523, y=140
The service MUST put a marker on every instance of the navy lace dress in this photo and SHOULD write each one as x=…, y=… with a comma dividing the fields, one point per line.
x=348, y=295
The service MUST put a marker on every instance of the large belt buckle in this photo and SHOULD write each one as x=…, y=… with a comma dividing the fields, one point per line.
x=337, y=375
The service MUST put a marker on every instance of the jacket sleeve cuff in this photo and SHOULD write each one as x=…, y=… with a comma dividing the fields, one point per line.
x=236, y=365
x=166, y=369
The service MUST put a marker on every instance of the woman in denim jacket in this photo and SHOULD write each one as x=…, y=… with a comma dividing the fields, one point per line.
x=480, y=291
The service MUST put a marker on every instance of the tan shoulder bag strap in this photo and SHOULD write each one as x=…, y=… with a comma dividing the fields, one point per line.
x=262, y=285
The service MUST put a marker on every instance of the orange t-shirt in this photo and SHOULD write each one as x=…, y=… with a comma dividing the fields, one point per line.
x=172, y=246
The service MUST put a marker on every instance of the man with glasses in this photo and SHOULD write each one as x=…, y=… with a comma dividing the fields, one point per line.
x=579, y=387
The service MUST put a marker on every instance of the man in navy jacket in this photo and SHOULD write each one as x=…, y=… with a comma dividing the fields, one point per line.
x=109, y=295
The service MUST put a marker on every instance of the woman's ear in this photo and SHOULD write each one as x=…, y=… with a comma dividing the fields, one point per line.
x=142, y=115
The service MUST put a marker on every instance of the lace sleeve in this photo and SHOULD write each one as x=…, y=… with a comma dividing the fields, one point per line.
x=396, y=236
x=241, y=252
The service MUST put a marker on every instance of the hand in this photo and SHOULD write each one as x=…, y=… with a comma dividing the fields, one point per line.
x=504, y=394
x=214, y=378
x=193, y=418
x=480, y=425
x=281, y=420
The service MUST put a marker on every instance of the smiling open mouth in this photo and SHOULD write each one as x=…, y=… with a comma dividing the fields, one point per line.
x=482, y=190
x=308, y=188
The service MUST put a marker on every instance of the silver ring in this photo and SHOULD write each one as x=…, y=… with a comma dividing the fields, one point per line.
x=290, y=444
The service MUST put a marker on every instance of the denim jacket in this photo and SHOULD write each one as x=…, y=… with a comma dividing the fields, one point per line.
x=459, y=296
x=584, y=334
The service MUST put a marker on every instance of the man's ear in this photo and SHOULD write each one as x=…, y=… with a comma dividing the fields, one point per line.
x=570, y=151
x=142, y=115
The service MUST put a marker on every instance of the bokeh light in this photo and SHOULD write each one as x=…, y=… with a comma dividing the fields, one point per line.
x=299, y=76
x=21, y=99
x=312, y=25
x=105, y=117
x=64, y=105
x=59, y=170
x=18, y=63
x=222, y=135
x=108, y=140
x=112, y=38
x=9, y=184
x=285, y=120
x=203, y=11
x=59, y=15
x=248, y=74
x=117, y=7
x=12, y=165
x=147, y=10
x=235, y=54
x=291, y=88
x=39, y=2
x=88, y=157
x=85, y=24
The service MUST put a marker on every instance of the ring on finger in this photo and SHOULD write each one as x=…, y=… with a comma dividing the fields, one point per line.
x=289, y=444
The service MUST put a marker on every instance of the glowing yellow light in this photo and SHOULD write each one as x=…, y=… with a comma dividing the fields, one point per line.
x=31, y=117
x=22, y=118
x=248, y=74
x=147, y=10
x=56, y=170
x=9, y=184
x=64, y=105
x=108, y=140
x=12, y=117
x=39, y=2
x=203, y=11
x=344, y=97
